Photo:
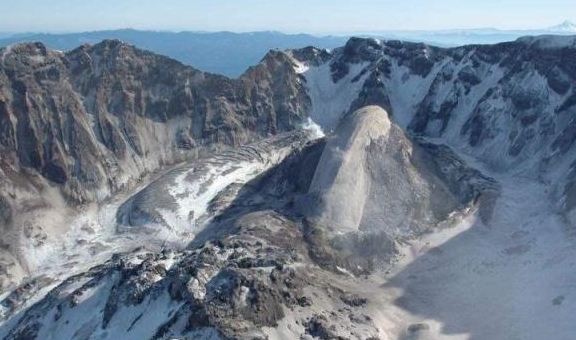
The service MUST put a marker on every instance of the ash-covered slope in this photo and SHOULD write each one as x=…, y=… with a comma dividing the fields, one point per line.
x=372, y=177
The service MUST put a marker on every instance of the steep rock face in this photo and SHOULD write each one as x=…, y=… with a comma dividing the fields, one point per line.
x=363, y=173
x=77, y=127
x=82, y=118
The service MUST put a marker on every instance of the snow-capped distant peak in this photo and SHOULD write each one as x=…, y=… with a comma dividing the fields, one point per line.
x=565, y=27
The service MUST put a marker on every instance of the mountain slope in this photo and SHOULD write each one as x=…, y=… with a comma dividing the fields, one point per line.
x=258, y=260
x=509, y=105
x=76, y=128
x=439, y=205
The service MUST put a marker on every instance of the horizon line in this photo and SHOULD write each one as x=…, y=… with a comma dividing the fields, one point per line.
x=289, y=32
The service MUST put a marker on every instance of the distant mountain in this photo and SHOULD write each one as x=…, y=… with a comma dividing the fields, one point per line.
x=230, y=54
x=225, y=53
x=565, y=27
x=6, y=35
x=460, y=37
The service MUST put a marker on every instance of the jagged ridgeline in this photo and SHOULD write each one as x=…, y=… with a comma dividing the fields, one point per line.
x=264, y=206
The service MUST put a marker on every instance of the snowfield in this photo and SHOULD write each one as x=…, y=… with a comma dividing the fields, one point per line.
x=510, y=278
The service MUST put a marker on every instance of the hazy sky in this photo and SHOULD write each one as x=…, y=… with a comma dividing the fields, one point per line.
x=313, y=16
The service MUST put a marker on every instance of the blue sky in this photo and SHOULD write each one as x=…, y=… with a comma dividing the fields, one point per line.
x=319, y=16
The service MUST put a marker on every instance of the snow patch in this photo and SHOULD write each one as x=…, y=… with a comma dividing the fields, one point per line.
x=5, y=51
x=300, y=67
x=406, y=91
x=315, y=129
x=330, y=101
x=194, y=197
